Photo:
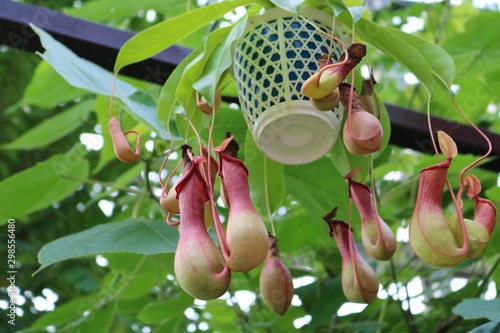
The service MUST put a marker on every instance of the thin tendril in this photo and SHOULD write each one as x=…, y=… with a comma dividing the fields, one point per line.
x=338, y=40
x=111, y=97
x=169, y=222
x=200, y=143
x=465, y=239
x=458, y=206
x=351, y=240
x=374, y=202
x=331, y=40
x=374, y=93
x=351, y=93
x=429, y=125
x=470, y=166
x=172, y=173
x=171, y=149
x=268, y=207
x=349, y=106
x=221, y=235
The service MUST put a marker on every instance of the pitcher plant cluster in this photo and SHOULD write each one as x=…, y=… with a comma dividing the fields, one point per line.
x=203, y=267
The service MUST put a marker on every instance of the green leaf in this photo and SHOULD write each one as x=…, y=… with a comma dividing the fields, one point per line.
x=228, y=120
x=493, y=326
x=183, y=127
x=346, y=162
x=97, y=321
x=142, y=284
x=219, y=60
x=362, y=326
x=43, y=184
x=155, y=39
x=52, y=129
x=289, y=5
x=356, y=12
x=156, y=312
x=399, y=49
x=134, y=235
x=168, y=101
x=185, y=92
x=478, y=308
x=267, y=183
x=38, y=94
x=440, y=62
x=313, y=232
x=321, y=300
x=318, y=188
x=338, y=7
x=63, y=313
x=86, y=75
x=124, y=179
x=385, y=121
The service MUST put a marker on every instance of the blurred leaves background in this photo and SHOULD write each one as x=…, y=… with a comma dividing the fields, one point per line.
x=54, y=133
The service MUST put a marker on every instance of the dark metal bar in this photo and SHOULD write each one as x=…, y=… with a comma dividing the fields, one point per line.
x=95, y=42
x=100, y=44
x=409, y=129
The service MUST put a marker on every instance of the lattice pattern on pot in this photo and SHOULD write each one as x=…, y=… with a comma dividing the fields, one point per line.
x=272, y=60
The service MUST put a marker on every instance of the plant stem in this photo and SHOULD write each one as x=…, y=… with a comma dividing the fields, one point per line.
x=407, y=315
x=437, y=39
x=266, y=194
x=444, y=21
x=127, y=280
x=106, y=184
x=147, y=169
x=105, y=301
x=258, y=300
x=243, y=319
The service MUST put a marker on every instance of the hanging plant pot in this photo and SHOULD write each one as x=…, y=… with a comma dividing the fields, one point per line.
x=277, y=53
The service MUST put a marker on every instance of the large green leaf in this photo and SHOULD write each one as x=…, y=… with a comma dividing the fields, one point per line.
x=43, y=184
x=346, y=162
x=493, y=326
x=363, y=326
x=396, y=47
x=63, y=313
x=168, y=101
x=185, y=92
x=323, y=302
x=313, y=233
x=338, y=7
x=47, y=88
x=267, y=183
x=98, y=320
x=219, y=60
x=155, y=39
x=52, y=129
x=289, y=5
x=86, y=75
x=318, y=188
x=134, y=235
x=440, y=62
x=478, y=308
x=157, y=312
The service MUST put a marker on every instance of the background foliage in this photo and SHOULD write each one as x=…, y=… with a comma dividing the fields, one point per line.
x=72, y=199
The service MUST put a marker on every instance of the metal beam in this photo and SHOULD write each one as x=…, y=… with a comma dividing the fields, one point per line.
x=409, y=129
x=100, y=44
x=93, y=41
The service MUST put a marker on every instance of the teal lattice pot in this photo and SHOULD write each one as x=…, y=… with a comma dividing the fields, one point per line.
x=277, y=53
